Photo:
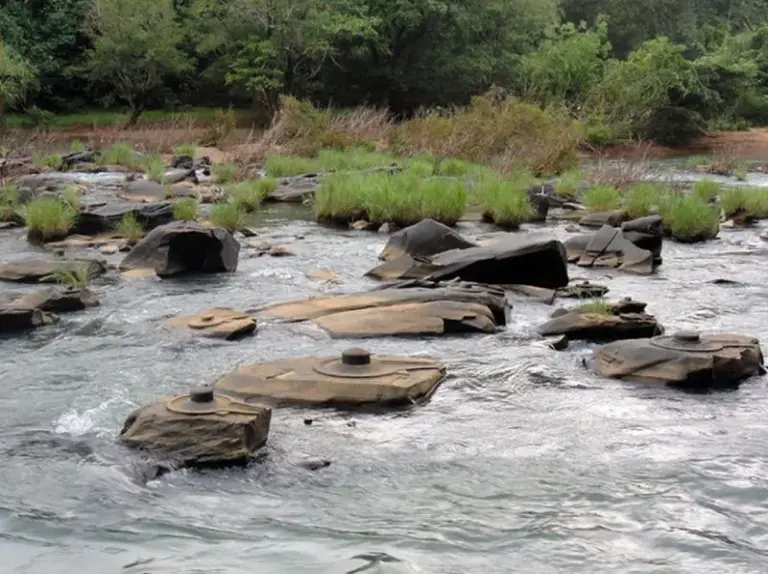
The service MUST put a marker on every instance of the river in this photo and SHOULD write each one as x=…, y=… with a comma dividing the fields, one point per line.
x=522, y=461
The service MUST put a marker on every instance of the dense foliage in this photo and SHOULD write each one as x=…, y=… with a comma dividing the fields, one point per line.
x=661, y=69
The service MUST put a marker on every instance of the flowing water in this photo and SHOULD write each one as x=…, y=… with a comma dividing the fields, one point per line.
x=521, y=462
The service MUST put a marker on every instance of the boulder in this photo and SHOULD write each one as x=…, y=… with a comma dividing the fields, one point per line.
x=597, y=220
x=183, y=247
x=427, y=237
x=542, y=197
x=33, y=270
x=646, y=233
x=104, y=218
x=624, y=320
x=58, y=300
x=295, y=189
x=514, y=260
x=355, y=379
x=410, y=309
x=183, y=161
x=686, y=360
x=217, y=323
x=76, y=158
x=202, y=429
x=14, y=320
x=609, y=248
x=178, y=175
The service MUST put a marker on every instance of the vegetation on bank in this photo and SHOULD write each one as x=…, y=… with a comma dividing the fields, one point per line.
x=250, y=194
x=229, y=216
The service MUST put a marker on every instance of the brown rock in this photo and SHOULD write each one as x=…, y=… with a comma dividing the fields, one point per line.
x=33, y=270
x=217, y=323
x=58, y=300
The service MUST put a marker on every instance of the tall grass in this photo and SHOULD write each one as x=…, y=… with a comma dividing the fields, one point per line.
x=185, y=209
x=224, y=172
x=121, y=153
x=597, y=307
x=76, y=277
x=688, y=219
x=71, y=196
x=706, y=190
x=155, y=168
x=130, y=228
x=601, y=198
x=49, y=218
x=228, y=216
x=641, y=198
x=567, y=185
x=185, y=149
x=249, y=194
x=9, y=201
x=504, y=201
x=744, y=202
x=326, y=160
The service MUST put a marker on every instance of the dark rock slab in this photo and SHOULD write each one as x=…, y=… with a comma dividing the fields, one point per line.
x=609, y=248
x=428, y=237
x=15, y=320
x=74, y=159
x=599, y=219
x=184, y=247
x=38, y=270
x=515, y=260
x=104, y=218
x=646, y=233
x=58, y=300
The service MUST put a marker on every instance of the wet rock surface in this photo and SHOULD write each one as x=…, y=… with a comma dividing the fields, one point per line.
x=624, y=320
x=582, y=290
x=14, y=319
x=405, y=309
x=58, y=300
x=428, y=237
x=40, y=270
x=356, y=378
x=184, y=247
x=201, y=429
x=105, y=217
x=610, y=248
x=512, y=260
x=217, y=323
x=688, y=360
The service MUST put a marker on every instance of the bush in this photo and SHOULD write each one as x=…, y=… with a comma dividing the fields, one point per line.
x=224, y=172
x=744, y=203
x=220, y=127
x=250, y=194
x=228, y=216
x=49, y=218
x=688, y=219
x=185, y=209
x=597, y=307
x=706, y=190
x=601, y=198
x=185, y=149
x=130, y=228
x=641, y=198
x=504, y=200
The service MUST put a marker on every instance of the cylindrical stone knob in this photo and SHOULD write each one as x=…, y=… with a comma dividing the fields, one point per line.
x=355, y=356
x=201, y=395
x=687, y=336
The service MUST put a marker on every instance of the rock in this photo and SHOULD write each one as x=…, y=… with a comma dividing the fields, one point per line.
x=514, y=260
x=541, y=197
x=598, y=220
x=387, y=228
x=280, y=251
x=609, y=248
x=77, y=158
x=360, y=225
x=178, y=175
x=110, y=249
x=202, y=429
x=352, y=380
x=646, y=233
x=314, y=464
x=217, y=323
x=183, y=247
x=558, y=343
x=183, y=161
x=593, y=326
x=14, y=319
x=105, y=218
x=323, y=275
x=572, y=228
x=401, y=310
x=58, y=300
x=143, y=190
x=33, y=270
x=691, y=361
x=583, y=290
x=427, y=237
x=294, y=190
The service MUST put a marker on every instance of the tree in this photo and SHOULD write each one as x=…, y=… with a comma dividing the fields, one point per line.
x=16, y=75
x=135, y=49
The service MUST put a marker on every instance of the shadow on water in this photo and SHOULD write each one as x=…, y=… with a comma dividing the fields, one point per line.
x=521, y=462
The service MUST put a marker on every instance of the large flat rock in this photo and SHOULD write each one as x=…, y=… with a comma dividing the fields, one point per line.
x=44, y=270
x=427, y=237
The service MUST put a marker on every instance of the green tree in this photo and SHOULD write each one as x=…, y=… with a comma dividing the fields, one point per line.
x=135, y=49
x=16, y=76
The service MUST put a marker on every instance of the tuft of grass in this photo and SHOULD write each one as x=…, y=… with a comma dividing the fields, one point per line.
x=77, y=277
x=744, y=203
x=9, y=201
x=228, y=216
x=71, y=196
x=185, y=209
x=504, y=201
x=155, y=168
x=597, y=307
x=601, y=198
x=224, y=172
x=49, y=218
x=185, y=149
x=733, y=202
x=756, y=202
x=76, y=146
x=121, y=153
x=288, y=165
x=689, y=219
x=641, y=198
x=327, y=160
x=130, y=228
x=567, y=185
x=740, y=172
x=250, y=194
x=706, y=190
x=53, y=161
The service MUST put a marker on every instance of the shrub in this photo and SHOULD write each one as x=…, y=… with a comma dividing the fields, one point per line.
x=228, y=216
x=185, y=149
x=76, y=146
x=688, y=219
x=224, y=172
x=49, y=218
x=121, y=153
x=641, y=198
x=601, y=198
x=130, y=228
x=155, y=168
x=504, y=200
x=220, y=127
x=756, y=202
x=744, y=203
x=250, y=194
x=53, y=161
x=185, y=209
x=71, y=196
x=706, y=190
x=597, y=306
x=567, y=185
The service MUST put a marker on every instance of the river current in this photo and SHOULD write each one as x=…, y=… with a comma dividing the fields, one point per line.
x=521, y=462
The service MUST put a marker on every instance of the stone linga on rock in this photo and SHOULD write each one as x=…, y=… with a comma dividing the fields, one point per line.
x=201, y=429
x=427, y=237
x=184, y=247
x=410, y=308
x=354, y=379
x=218, y=323
x=687, y=360
x=513, y=260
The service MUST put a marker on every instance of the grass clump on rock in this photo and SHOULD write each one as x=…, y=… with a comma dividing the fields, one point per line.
x=706, y=189
x=567, y=185
x=249, y=194
x=326, y=160
x=224, y=172
x=744, y=204
x=640, y=199
x=689, y=219
x=9, y=201
x=601, y=198
x=77, y=277
x=596, y=307
x=228, y=216
x=155, y=168
x=49, y=218
x=185, y=149
x=121, y=153
x=130, y=228
x=504, y=201
x=185, y=209
x=53, y=161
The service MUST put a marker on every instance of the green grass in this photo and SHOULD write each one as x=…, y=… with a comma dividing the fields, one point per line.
x=706, y=189
x=689, y=219
x=9, y=201
x=77, y=277
x=121, y=153
x=155, y=168
x=402, y=198
x=601, y=198
x=597, y=307
x=504, y=200
x=756, y=202
x=740, y=172
x=71, y=196
x=288, y=165
x=52, y=160
x=744, y=202
x=224, y=172
x=567, y=185
x=249, y=194
x=185, y=149
x=185, y=209
x=641, y=198
x=76, y=146
x=327, y=160
x=228, y=216
x=130, y=228
x=733, y=202
x=49, y=218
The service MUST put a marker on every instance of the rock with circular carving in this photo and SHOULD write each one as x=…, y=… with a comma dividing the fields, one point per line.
x=356, y=378
x=217, y=323
x=688, y=360
x=201, y=429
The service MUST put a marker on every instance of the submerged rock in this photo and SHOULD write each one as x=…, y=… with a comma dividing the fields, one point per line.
x=687, y=360
x=58, y=300
x=14, y=319
x=514, y=260
x=597, y=220
x=105, y=218
x=623, y=320
x=184, y=247
x=427, y=237
x=583, y=290
x=33, y=270
x=354, y=379
x=201, y=429
x=610, y=248
x=217, y=323
x=401, y=310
